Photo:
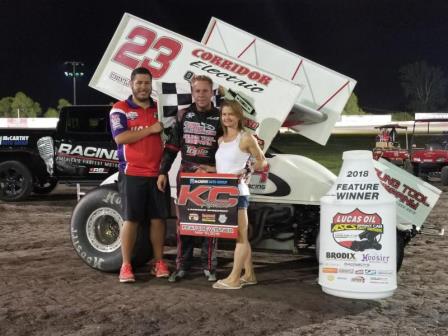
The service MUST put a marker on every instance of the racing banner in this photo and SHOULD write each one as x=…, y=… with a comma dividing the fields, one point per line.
x=415, y=198
x=173, y=58
x=208, y=205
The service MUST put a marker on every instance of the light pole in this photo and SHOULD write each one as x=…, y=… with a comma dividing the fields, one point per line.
x=73, y=73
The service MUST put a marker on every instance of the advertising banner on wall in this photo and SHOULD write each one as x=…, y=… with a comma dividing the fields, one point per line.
x=208, y=205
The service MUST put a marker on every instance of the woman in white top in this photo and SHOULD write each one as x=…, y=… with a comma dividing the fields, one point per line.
x=235, y=148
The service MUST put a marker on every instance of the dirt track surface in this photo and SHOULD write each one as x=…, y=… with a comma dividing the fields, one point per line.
x=46, y=289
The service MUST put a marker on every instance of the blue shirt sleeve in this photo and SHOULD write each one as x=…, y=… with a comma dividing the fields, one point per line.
x=118, y=122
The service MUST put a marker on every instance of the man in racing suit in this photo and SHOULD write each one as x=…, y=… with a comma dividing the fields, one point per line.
x=195, y=134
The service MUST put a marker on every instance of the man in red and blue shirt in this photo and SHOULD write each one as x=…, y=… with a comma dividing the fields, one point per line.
x=136, y=131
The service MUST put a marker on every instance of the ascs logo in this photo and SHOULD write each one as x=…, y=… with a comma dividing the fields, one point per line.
x=358, y=231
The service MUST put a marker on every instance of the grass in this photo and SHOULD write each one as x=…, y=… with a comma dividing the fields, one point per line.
x=330, y=155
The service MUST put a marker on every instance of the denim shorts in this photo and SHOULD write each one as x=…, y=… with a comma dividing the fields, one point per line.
x=243, y=202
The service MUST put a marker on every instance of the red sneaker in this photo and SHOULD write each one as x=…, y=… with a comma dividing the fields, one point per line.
x=160, y=269
x=126, y=274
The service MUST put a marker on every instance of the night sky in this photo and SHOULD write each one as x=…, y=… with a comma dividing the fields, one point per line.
x=365, y=40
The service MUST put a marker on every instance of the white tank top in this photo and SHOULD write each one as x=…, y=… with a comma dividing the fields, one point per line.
x=230, y=159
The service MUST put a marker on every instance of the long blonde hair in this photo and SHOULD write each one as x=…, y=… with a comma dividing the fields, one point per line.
x=237, y=111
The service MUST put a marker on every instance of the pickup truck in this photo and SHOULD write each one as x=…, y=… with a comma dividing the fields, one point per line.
x=80, y=150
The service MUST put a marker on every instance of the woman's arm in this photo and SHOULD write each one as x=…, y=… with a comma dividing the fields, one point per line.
x=250, y=144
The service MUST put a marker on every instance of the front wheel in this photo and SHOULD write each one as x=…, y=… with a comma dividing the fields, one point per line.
x=95, y=231
x=16, y=181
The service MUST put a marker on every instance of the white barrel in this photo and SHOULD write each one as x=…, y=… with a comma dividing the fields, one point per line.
x=357, y=255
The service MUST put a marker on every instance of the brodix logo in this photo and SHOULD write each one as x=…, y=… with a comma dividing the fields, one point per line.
x=340, y=255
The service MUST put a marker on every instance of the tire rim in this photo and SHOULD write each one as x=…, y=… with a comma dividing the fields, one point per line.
x=103, y=229
x=11, y=182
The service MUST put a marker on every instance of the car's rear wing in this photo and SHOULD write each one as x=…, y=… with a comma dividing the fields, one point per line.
x=325, y=92
x=174, y=58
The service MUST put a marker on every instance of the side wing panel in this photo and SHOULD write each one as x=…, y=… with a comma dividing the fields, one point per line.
x=325, y=91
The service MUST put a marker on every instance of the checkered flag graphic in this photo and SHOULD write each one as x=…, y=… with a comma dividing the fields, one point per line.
x=174, y=97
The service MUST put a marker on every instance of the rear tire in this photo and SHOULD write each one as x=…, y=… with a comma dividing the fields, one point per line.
x=401, y=243
x=95, y=231
x=16, y=181
x=444, y=176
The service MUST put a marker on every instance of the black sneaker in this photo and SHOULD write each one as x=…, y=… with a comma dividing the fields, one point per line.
x=211, y=276
x=177, y=275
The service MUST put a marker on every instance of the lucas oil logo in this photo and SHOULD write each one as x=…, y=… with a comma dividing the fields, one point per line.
x=358, y=231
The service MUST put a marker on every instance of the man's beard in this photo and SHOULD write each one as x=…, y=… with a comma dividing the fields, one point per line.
x=141, y=96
